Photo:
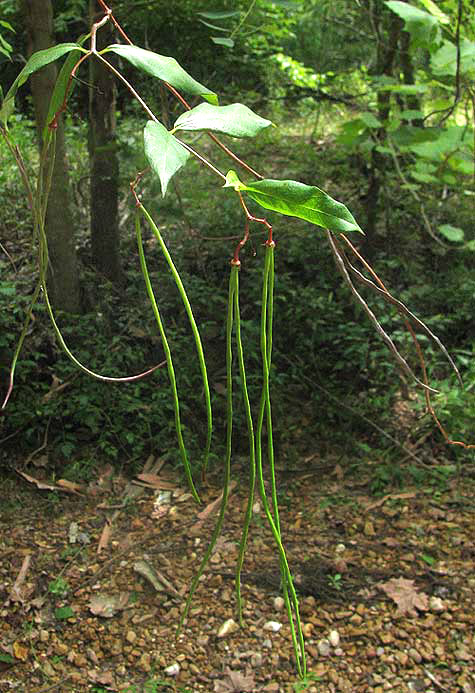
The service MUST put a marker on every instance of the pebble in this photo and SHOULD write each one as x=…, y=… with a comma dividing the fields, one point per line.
x=324, y=647
x=256, y=660
x=279, y=603
x=414, y=655
x=436, y=605
x=267, y=644
x=173, y=669
x=131, y=636
x=274, y=626
x=334, y=638
x=228, y=627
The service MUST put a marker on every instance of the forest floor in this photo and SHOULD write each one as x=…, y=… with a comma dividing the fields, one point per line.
x=92, y=586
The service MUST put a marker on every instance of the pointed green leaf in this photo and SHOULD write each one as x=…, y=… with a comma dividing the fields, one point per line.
x=163, y=67
x=164, y=152
x=39, y=60
x=444, y=61
x=219, y=15
x=232, y=181
x=236, y=120
x=452, y=233
x=61, y=85
x=436, y=11
x=228, y=42
x=370, y=120
x=304, y=201
x=423, y=27
x=215, y=26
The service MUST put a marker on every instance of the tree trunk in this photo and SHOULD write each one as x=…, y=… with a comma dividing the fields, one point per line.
x=104, y=163
x=63, y=276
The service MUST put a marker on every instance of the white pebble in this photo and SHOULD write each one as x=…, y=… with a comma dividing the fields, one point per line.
x=274, y=626
x=334, y=638
x=173, y=669
x=228, y=627
x=279, y=603
x=323, y=647
x=436, y=605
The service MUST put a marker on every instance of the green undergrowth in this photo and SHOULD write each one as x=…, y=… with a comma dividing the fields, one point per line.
x=331, y=376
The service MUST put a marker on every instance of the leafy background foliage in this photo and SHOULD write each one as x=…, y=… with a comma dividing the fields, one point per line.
x=330, y=131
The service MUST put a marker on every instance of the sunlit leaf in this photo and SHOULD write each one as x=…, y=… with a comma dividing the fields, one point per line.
x=452, y=233
x=229, y=43
x=444, y=61
x=422, y=26
x=219, y=15
x=214, y=26
x=236, y=120
x=39, y=60
x=163, y=67
x=164, y=152
x=303, y=201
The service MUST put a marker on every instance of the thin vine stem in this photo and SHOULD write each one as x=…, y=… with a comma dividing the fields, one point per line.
x=229, y=435
x=194, y=329
x=252, y=456
x=168, y=356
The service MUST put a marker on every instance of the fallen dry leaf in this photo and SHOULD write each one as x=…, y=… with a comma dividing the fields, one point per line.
x=105, y=536
x=406, y=596
x=390, y=496
x=235, y=682
x=17, y=593
x=107, y=605
x=20, y=651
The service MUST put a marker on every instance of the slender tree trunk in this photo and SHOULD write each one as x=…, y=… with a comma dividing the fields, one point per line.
x=387, y=28
x=413, y=101
x=63, y=276
x=104, y=163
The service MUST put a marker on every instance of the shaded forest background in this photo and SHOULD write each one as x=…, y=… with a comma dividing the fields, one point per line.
x=374, y=103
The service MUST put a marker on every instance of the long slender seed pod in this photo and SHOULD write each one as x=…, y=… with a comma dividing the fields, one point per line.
x=290, y=595
x=168, y=356
x=194, y=328
x=29, y=315
x=229, y=433
x=252, y=457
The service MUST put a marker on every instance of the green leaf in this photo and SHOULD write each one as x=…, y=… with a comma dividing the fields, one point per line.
x=7, y=25
x=232, y=181
x=436, y=11
x=39, y=60
x=370, y=120
x=452, y=233
x=63, y=613
x=215, y=26
x=430, y=560
x=236, y=120
x=218, y=15
x=411, y=114
x=163, y=67
x=404, y=88
x=6, y=659
x=229, y=43
x=422, y=26
x=303, y=201
x=164, y=152
x=60, y=87
x=444, y=61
